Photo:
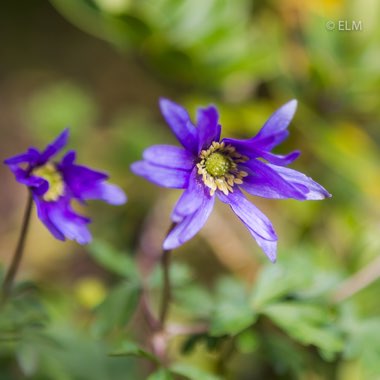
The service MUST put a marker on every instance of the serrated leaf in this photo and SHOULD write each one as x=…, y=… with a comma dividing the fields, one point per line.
x=117, y=309
x=308, y=324
x=114, y=261
x=232, y=312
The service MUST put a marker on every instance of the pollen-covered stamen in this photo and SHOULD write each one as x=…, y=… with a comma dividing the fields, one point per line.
x=218, y=167
x=54, y=178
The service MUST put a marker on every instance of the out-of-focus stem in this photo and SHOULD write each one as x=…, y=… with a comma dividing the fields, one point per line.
x=360, y=280
x=17, y=256
x=166, y=291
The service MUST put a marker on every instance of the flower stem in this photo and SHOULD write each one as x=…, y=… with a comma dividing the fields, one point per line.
x=12, y=270
x=166, y=291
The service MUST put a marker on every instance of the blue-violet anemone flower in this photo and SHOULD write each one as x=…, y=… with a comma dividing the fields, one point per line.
x=55, y=184
x=207, y=167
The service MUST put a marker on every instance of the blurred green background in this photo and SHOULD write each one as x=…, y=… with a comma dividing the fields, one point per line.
x=100, y=66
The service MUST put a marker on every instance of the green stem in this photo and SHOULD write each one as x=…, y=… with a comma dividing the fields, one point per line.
x=166, y=291
x=17, y=256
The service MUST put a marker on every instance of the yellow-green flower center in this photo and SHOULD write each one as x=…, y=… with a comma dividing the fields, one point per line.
x=54, y=178
x=217, y=164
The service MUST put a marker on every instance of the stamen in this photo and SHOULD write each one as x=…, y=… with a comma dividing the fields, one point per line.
x=56, y=184
x=218, y=167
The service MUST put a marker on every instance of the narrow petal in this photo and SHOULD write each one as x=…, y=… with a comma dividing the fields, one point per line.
x=43, y=209
x=304, y=184
x=29, y=157
x=166, y=177
x=169, y=156
x=264, y=181
x=278, y=159
x=208, y=127
x=70, y=224
x=257, y=223
x=53, y=148
x=274, y=130
x=80, y=179
x=190, y=225
x=106, y=192
x=191, y=199
x=179, y=121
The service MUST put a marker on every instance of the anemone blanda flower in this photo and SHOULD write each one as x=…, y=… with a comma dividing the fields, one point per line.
x=207, y=167
x=55, y=184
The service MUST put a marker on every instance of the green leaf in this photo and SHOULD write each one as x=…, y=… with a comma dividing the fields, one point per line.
x=129, y=348
x=282, y=279
x=113, y=260
x=232, y=312
x=161, y=374
x=117, y=309
x=308, y=324
x=192, y=373
x=364, y=343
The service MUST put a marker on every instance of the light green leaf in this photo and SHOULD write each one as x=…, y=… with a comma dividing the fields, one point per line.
x=117, y=309
x=113, y=260
x=232, y=312
x=192, y=373
x=308, y=324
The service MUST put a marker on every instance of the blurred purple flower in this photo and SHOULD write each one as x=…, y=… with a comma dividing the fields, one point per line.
x=55, y=185
x=207, y=166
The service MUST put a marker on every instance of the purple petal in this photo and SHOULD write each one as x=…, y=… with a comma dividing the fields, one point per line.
x=43, y=209
x=257, y=223
x=80, y=179
x=69, y=158
x=304, y=184
x=274, y=130
x=166, y=177
x=169, y=156
x=191, y=199
x=179, y=121
x=190, y=225
x=53, y=148
x=70, y=224
x=208, y=127
x=31, y=156
x=264, y=181
x=278, y=159
x=106, y=192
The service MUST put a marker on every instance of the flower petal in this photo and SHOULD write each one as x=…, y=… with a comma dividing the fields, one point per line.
x=278, y=159
x=53, y=148
x=162, y=176
x=179, y=121
x=191, y=199
x=31, y=156
x=106, y=192
x=208, y=127
x=70, y=224
x=304, y=184
x=190, y=225
x=43, y=209
x=257, y=223
x=80, y=179
x=264, y=181
x=274, y=130
x=169, y=156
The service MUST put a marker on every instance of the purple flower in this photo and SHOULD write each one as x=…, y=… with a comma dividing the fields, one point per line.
x=207, y=167
x=55, y=184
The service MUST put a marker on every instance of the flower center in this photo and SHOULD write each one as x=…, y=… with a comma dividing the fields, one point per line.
x=56, y=184
x=217, y=164
x=218, y=167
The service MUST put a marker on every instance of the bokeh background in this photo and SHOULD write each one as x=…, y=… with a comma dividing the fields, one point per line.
x=100, y=66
